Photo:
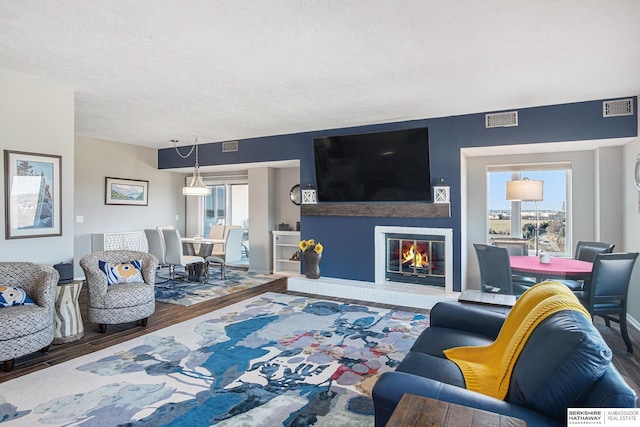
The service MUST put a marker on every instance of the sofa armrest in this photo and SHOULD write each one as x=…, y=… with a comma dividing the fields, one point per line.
x=390, y=387
x=466, y=317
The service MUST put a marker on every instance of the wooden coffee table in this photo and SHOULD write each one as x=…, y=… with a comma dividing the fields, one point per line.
x=413, y=410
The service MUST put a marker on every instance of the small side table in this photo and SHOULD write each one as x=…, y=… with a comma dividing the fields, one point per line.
x=413, y=410
x=67, y=320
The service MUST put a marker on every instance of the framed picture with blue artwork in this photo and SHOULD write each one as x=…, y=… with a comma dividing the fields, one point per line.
x=121, y=191
x=33, y=198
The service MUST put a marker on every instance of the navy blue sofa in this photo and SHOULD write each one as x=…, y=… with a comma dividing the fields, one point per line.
x=564, y=364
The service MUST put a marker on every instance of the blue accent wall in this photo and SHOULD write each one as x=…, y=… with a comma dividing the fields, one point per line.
x=349, y=241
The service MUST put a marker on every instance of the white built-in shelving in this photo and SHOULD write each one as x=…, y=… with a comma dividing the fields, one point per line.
x=285, y=244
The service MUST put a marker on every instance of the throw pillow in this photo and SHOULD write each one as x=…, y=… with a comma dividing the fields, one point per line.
x=10, y=296
x=125, y=272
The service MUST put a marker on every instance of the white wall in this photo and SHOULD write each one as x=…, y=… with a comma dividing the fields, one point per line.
x=285, y=211
x=631, y=223
x=261, y=218
x=38, y=117
x=609, y=198
x=97, y=159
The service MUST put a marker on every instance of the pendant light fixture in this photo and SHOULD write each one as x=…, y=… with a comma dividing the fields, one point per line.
x=196, y=187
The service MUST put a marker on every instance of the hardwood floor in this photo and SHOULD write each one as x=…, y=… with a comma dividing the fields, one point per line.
x=169, y=314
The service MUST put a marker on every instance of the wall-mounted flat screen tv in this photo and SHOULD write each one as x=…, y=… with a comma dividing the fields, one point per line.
x=374, y=167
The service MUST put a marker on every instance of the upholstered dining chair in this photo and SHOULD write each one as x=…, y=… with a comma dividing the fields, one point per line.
x=587, y=251
x=606, y=293
x=26, y=328
x=217, y=232
x=228, y=228
x=174, y=255
x=516, y=246
x=130, y=297
x=155, y=242
x=232, y=251
x=495, y=271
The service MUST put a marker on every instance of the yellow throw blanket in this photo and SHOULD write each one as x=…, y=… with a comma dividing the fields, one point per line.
x=488, y=369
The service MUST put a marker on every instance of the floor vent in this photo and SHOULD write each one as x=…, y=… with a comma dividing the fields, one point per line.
x=618, y=107
x=229, y=146
x=501, y=120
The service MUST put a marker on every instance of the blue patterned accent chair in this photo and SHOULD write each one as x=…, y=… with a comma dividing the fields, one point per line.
x=120, y=302
x=27, y=328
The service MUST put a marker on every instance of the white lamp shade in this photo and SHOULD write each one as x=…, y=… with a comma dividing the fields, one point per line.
x=525, y=190
x=196, y=187
x=195, y=191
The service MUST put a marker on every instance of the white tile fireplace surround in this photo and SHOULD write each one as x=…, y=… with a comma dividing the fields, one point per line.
x=403, y=294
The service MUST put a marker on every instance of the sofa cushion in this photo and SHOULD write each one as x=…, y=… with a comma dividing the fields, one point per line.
x=558, y=366
x=11, y=296
x=428, y=366
x=434, y=340
x=125, y=295
x=22, y=321
x=125, y=272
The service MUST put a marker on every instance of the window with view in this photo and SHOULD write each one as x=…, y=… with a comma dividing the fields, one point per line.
x=227, y=204
x=518, y=219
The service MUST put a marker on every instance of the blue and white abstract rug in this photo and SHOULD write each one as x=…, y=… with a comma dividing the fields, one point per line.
x=186, y=293
x=272, y=360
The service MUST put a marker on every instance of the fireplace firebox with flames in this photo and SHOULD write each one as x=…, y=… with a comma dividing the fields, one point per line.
x=416, y=259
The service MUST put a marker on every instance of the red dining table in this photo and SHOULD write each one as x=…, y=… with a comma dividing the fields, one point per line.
x=557, y=268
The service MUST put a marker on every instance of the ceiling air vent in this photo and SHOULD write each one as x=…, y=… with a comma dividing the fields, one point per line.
x=618, y=107
x=501, y=120
x=229, y=146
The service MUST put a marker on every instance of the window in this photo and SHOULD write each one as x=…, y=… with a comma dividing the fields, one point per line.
x=518, y=219
x=214, y=208
x=227, y=204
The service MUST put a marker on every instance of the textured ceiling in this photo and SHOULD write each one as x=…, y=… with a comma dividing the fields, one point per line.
x=146, y=71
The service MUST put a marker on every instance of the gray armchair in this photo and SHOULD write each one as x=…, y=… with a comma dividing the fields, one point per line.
x=27, y=328
x=123, y=302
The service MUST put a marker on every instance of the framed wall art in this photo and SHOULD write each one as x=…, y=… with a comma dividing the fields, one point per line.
x=33, y=195
x=121, y=191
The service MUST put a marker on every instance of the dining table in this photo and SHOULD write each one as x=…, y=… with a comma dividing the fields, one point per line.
x=556, y=268
x=200, y=246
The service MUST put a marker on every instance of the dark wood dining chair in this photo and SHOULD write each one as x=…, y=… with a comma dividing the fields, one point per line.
x=606, y=293
x=495, y=271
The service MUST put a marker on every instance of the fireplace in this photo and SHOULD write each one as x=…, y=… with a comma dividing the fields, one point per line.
x=414, y=255
x=418, y=259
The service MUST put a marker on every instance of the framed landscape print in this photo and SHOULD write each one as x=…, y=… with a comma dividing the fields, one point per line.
x=126, y=192
x=33, y=199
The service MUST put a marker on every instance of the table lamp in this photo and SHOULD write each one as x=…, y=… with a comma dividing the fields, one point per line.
x=526, y=190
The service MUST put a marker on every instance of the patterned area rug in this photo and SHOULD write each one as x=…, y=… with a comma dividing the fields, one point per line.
x=272, y=360
x=186, y=293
